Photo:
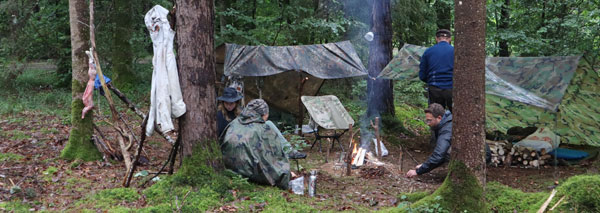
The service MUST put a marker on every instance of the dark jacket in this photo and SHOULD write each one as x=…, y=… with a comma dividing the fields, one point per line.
x=222, y=121
x=443, y=135
x=437, y=65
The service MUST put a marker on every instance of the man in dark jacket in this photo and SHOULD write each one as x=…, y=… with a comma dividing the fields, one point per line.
x=436, y=69
x=440, y=122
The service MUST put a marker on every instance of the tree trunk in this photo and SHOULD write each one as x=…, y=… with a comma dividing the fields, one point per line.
x=122, y=55
x=380, y=92
x=462, y=190
x=80, y=145
x=196, y=65
x=504, y=20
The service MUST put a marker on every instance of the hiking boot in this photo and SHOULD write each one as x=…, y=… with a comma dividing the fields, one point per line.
x=296, y=155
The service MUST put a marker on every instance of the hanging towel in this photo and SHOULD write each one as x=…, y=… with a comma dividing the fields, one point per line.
x=166, y=101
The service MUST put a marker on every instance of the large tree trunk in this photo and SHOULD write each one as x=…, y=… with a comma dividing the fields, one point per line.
x=80, y=145
x=196, y=65
x=122, y=55
x=463, y=187
x=380, y=92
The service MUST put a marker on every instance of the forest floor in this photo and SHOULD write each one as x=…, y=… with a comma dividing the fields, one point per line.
x=31, y=143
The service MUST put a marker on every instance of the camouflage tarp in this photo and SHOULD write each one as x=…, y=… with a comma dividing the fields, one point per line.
x=538, y=81
x=327, y=111
x=325, y=61
x=253, y=148
x=576, y=119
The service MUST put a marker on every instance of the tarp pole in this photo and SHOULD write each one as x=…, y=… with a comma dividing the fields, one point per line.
x=300, y=111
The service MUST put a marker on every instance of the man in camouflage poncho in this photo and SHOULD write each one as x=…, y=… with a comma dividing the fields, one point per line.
x=254, y=148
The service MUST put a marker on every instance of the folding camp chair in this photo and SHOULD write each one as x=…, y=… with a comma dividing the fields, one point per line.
x=327, y=112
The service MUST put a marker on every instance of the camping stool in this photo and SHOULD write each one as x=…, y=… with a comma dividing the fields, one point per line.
x=297, y=164
x=327, y=112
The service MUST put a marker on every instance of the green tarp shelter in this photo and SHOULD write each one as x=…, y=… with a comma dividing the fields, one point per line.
x=279, y=70
x=557, y=92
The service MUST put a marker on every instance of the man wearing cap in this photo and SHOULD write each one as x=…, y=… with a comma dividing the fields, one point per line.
x=436, y=68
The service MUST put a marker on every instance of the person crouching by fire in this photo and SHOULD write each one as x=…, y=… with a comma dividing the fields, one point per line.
x=440, y=122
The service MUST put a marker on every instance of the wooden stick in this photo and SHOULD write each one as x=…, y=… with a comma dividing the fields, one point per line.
x=557, y=203
x=401, y=158
x=125, y=100
x=545, y=205
x=376, y=128
x=138, y=153
x=328, y=150
x=349, y=154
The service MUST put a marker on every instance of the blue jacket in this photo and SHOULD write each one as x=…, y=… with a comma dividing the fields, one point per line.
x=437, y=65
x=443, y=135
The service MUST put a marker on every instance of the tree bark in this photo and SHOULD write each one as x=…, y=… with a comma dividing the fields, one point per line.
x=504, y=20
x=80, y=145
x=380, y=92
x=122, y=56
x=462, y=189
x=196, y=65
x=468, y=134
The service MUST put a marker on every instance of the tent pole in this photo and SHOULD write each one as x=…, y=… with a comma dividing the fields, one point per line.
x=300, y=111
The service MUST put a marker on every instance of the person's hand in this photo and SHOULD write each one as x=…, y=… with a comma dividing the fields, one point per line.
x=418, y=166
x=411, y=173
x=293, y=174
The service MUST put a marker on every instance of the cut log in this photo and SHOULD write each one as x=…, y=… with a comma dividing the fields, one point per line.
x=535, y=163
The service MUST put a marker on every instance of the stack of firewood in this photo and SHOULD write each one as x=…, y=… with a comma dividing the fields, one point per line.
x=499, y=151
x=503, y=153
x=528, y=157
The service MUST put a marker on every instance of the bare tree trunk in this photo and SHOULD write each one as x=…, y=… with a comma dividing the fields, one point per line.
x=504, y=20
x=380, y=91
x=80, y=145
x=122, y=56
x=468, y=133
x=462, y=190
x=196, y=65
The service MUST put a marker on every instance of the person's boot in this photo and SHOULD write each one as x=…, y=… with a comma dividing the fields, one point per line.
x=296, y=155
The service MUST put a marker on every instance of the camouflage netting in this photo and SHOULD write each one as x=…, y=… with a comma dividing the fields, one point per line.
x=562, y=88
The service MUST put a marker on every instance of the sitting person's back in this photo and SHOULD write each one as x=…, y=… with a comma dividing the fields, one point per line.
x=253, y=148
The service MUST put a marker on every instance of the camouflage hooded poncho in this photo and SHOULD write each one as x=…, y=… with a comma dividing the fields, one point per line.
x=253, y=148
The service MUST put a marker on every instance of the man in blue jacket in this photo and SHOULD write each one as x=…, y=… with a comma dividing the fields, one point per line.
x=440, y=122
x=436, y=67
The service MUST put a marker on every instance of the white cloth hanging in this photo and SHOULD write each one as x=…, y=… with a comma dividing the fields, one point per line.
x=166, y=101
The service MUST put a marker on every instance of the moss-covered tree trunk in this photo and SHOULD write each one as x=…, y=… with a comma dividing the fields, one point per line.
x=122, y=56
x=80, y=145
x=463, y=187
x=196, y=65
x=380, y=91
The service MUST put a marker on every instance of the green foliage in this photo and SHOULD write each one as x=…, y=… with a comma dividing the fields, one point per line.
x=413, y=197
x=109, y=198
x=10, y=157
x=506, y=199
x=14, y=206
x=583, y=193
x=413, y=22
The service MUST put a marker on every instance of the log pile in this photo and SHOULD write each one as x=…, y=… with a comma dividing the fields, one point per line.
x=503, y=153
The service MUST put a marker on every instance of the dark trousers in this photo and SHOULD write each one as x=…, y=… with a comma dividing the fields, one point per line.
x=441, y=96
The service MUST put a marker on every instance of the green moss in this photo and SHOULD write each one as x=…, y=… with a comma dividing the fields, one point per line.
x=413, y=197
x=14, y=206
x=10, y=157
x=109, y=198
x=506, y=199
x=80, y=145
x=582, y=194
x=456, y=196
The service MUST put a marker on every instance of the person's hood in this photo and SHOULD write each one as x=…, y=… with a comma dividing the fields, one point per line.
x=250, y=116
x=447, y=118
